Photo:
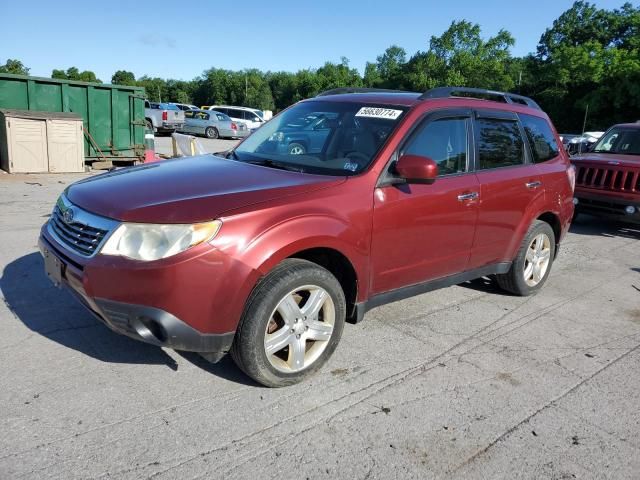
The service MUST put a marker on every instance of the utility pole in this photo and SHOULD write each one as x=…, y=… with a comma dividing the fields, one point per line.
x=520, y=82
x=246, y=86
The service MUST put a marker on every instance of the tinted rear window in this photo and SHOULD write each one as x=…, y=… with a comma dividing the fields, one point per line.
x=541, y=138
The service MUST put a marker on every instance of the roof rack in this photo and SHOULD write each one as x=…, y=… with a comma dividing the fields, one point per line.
x=339, y=91
x=512, y=98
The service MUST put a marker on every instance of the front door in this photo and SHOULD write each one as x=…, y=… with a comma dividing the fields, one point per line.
x=423, y=232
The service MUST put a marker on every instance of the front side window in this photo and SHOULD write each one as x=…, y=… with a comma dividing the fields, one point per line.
x=541, y=139
x=320, y=136
x=499, y=143
x=445, y=142
x=620, y=140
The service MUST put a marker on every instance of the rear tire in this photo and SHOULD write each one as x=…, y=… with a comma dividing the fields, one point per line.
x=279, y=342
x=532, y=265
x=211, y=132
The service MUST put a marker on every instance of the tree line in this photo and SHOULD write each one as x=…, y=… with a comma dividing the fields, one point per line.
x=589, y=58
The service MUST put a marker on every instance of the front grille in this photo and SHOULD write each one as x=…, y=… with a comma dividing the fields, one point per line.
x=605, y=178
x=80, y=237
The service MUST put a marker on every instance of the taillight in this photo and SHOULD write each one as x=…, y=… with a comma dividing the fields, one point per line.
x=165, y=115
x=234, y=126
x=571, y=174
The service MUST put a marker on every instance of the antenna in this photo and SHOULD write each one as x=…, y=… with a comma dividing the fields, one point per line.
x=584, y=127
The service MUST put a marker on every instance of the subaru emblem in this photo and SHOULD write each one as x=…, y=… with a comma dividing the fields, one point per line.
x=67, y=216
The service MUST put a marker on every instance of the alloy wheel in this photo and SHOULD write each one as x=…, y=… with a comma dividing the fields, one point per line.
x=299, y=328
x=537, y=259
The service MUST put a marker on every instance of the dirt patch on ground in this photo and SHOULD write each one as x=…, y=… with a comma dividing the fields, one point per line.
x=635, y=315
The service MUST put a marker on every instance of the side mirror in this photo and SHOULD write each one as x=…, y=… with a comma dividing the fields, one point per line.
x=417, y=169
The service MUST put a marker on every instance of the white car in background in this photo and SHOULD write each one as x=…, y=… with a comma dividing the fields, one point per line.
x=251, y=117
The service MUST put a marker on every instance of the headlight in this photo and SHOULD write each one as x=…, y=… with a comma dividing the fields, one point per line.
x=277, y=137
x=145, y=241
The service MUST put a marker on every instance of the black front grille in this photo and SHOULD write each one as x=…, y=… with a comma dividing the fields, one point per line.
x=81, y=238
x=607, y=178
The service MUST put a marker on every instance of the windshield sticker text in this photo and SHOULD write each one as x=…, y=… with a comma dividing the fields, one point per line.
x=374, y=112
x=352, y=167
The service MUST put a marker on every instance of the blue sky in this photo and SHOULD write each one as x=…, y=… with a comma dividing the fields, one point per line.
x=181, y=39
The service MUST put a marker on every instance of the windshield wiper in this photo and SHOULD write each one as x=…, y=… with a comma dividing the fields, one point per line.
x=271, y=164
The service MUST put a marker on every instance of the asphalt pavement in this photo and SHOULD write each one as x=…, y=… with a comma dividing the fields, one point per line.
x=465, y=382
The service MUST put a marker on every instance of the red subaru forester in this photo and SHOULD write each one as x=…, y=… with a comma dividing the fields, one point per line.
x=339, y=204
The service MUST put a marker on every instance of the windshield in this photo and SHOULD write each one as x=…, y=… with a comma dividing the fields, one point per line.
x=624, y=141
x=330, y=138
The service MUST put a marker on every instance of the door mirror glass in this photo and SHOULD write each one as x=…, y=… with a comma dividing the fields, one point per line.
x=417, y=169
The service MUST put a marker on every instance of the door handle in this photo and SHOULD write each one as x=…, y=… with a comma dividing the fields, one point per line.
x=465, y=197
x=533, y=185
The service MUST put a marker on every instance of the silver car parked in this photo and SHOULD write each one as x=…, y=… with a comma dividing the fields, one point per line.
x=213, y=124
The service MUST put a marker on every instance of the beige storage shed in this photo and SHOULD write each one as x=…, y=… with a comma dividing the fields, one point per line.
x=33, y=142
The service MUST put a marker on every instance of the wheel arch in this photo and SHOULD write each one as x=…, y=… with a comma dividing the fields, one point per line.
x=340, y=267
x=554, y=222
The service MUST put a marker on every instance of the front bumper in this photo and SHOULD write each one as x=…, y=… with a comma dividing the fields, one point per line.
x=174, y=305
x=608, y=207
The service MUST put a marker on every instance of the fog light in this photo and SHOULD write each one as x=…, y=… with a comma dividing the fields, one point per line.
x=630, y=210
x=575, y=201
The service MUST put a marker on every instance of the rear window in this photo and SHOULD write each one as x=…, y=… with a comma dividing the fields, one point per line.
x=168, y=106
x=541, y=139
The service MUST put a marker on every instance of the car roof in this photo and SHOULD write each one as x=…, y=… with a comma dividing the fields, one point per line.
x=233, y=106
x=628, y=125
x=411, y=99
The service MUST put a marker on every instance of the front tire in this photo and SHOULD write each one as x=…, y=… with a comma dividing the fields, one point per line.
x=296, y=149
x=532, y=265
x=291, y=325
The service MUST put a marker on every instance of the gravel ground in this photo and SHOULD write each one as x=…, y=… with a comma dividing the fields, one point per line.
x=465, y=382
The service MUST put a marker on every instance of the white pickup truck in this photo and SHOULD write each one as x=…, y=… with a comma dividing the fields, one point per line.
x=163, y=117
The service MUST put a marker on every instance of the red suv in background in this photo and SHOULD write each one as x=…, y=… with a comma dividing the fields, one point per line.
x=608, y=176
x=266, y=253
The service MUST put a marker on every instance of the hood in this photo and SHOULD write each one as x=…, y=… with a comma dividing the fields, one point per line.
x=188, y=190
x=607, y=159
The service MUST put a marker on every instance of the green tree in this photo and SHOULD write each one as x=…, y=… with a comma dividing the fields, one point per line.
x=461, y=57
x=155, y=88
x=72, y=73
x=14, y=66
x=123, y=77
x=388, y=69
x=591, y=57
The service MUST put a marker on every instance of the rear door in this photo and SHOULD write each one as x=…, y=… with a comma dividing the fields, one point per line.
x=189, y=122
x=509, y=184
x=424, y=232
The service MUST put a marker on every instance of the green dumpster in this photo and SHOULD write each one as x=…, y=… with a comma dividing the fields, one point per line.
x=113, y=115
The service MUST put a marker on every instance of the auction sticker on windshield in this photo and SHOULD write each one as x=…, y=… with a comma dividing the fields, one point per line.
x=374, y=112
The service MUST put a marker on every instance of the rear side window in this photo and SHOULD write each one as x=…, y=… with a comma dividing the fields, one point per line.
x=188, y=114
x=499, y=143
x=541, y=139
x=445, y=142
